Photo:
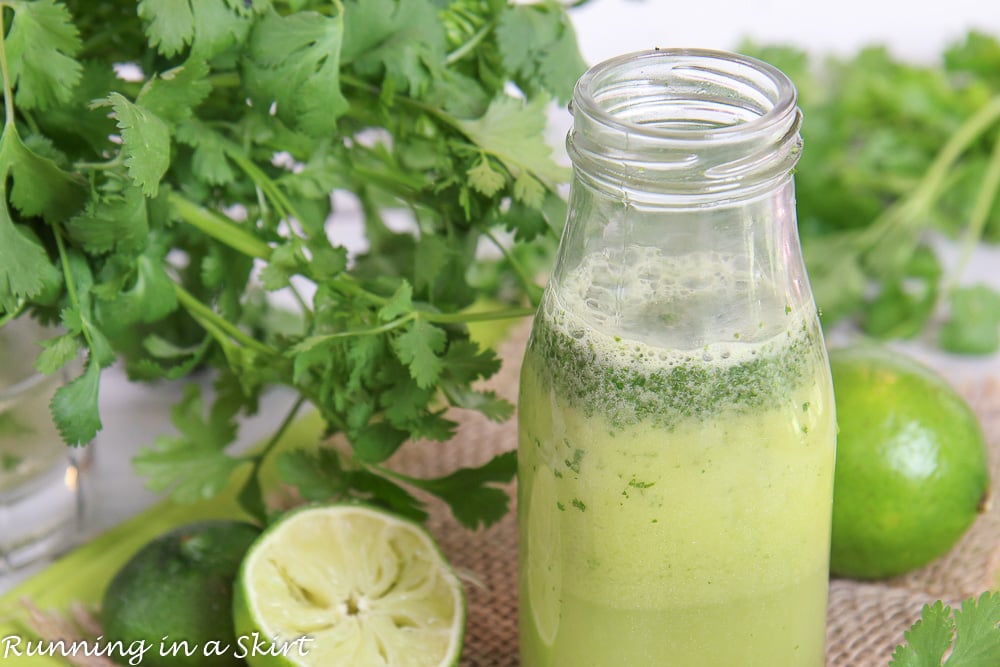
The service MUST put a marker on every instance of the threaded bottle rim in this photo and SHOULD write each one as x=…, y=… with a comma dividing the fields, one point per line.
x=684, y=125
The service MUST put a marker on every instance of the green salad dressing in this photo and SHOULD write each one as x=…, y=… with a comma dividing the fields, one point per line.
x=674, y=502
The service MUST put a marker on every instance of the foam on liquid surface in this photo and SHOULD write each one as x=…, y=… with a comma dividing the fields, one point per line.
x=637, y=334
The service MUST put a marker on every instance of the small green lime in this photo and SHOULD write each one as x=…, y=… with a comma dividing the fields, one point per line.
x=912, y=470
x=179, y=588
x=348, y=585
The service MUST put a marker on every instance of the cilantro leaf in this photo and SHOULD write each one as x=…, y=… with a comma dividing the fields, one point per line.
x=403, y=37
x=418, y=347
x=79, y=317
x=25, y=267
x=74, y=406
x=399, y=304
x=327, y=261
x=528, y=223
x=294, y=62
x=209, y=162
x=434, y=426
x=170, y=24
x=485, y=178
x=440, y=272
x=467, y=491
x=529, y=190
x=487, y=402
x=905, y=303
x=465, y=361
x=381, y=491
x=116, y=221
x=283, y=263
x=838, y=281
x=187, y=359
x=317, y=475
x=194, y=463
x=977, y=632
x=974, y=630
x=220, y=24
x=377, y=442
x=151, y=298
x=271, y=106
x=974, y=324
x=539, y=46
x=363, y=359
x=979, y=54
x=512, y=131
x=41, y=46
x=927, y=640
x=56, y=353
x=146, y=142
x=174, y=94
x=404, y=402
x=39, y=187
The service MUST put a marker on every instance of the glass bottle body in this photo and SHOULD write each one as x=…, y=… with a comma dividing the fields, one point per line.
x=676, y=426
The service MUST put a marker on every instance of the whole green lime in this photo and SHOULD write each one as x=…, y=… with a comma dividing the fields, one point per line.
x=177, y=592
x=912, y=470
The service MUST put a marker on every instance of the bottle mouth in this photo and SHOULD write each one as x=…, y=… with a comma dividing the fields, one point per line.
x=691, y=122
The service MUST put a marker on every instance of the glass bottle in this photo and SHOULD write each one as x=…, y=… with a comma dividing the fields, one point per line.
x=676, y=415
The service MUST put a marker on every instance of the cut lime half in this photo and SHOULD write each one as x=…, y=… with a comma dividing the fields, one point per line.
x=348, y=585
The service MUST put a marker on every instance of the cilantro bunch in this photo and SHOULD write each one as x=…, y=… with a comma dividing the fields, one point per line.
x=165, y=164
x=894, y=151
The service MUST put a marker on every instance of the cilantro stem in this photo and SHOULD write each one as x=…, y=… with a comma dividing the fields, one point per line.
x=8, y=88
x=533, y=291
x=985, y=197
x=444, y=117
x=392, y=184
x=113, y=163
x=425, y=484
x=483, y=316
x=911, y=209
x=276, y=437
x=250, y=497
x=71, y=289
x=220, y=228
x=403, y=99
x=267, y=184
x=312, y=341
x=301, y=300
x=229, y=79
x=924, y=193
x=347, y=283
x=14, y=313
x=437, y=318
x=206, y=315
x=466, y=48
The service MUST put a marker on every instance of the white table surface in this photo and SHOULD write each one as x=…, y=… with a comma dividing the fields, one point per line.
x=134, y=414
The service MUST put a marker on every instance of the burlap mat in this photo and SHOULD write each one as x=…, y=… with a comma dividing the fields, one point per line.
x=866, y=620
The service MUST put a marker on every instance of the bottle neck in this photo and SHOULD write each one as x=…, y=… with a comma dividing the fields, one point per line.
x=681, y=229
x=684, y=128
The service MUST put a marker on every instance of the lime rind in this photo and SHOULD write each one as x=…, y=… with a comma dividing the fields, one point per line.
x=363, y=587
x=912, y=466
x=178, y=588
